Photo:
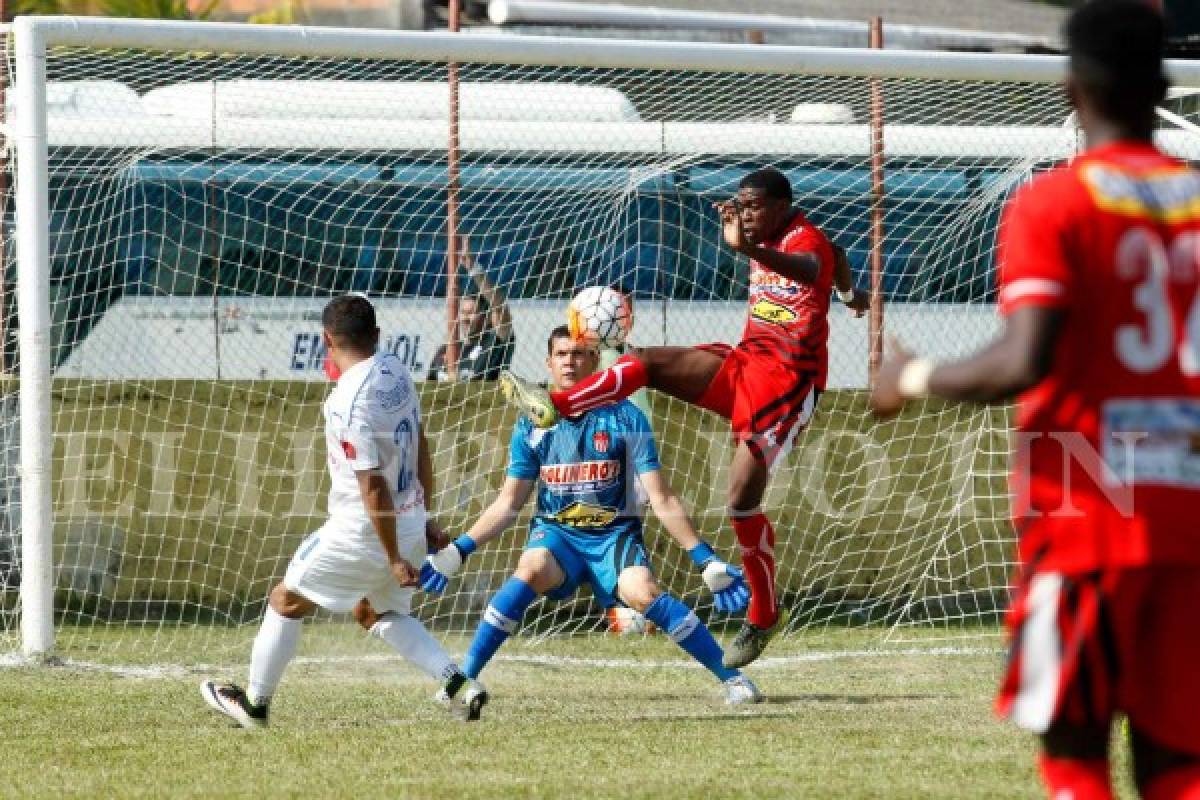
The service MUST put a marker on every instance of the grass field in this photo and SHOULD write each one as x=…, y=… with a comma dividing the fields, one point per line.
x=578, y=717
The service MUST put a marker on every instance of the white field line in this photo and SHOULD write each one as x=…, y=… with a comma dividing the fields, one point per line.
x=772, y=662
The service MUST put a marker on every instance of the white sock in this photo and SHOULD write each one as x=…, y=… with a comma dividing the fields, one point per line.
x=273, y=649
x=408, y=637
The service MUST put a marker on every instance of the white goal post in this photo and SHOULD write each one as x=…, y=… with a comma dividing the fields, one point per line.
x=36, y=40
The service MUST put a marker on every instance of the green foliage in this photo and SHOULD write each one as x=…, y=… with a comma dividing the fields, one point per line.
x=136, y=9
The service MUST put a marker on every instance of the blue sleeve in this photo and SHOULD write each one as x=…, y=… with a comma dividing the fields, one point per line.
x=643, y=452
x=522, y=460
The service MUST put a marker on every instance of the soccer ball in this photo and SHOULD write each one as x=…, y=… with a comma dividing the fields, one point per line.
x=627, y=622
x=600, y=316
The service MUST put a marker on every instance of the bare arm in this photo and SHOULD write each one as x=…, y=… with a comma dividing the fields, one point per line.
x=1017, y=361
x=435, y=537
x=503, y=511
x=377, y=498
x=843, y=281
x=501, y=317
x=669, y=509
x=800, y=267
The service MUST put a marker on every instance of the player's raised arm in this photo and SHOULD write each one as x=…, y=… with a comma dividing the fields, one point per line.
x=803, y=266
x=496, y=518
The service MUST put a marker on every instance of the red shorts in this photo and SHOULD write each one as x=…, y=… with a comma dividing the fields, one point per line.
x=1085, y=647
x=767, y=402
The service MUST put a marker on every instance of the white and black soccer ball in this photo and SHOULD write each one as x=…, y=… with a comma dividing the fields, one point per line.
x=601, y=316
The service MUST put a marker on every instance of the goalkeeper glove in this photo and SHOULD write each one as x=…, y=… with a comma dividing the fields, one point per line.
x=725, y=581
x=439, y=568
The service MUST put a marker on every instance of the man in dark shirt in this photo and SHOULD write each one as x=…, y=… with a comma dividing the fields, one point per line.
x=486, y=341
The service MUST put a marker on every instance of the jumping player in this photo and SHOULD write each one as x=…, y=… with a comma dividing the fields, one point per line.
x=588, y=528
x=767, y=386
x=1099, y=272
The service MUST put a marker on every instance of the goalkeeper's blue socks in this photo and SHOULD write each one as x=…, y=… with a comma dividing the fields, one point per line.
x=687, y=631
x=499, y=621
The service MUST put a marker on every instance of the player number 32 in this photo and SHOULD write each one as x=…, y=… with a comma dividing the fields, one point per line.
x=1142, y=255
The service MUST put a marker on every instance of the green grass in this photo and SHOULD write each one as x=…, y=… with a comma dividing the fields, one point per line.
x=904, y=725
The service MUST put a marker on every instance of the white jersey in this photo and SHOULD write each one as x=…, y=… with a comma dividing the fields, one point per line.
x=371, y=422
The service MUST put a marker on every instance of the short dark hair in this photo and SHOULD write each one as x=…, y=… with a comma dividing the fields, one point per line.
x=561, y=332
x=770, y=181
x=350, y=320
x=1116, y=49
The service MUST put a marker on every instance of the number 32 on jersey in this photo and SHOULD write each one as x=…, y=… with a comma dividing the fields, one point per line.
x=1142, y=256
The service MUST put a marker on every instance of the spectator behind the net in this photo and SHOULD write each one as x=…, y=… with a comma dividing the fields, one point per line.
x=485, y=332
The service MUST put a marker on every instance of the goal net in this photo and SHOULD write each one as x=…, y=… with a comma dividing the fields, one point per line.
x=206, y=197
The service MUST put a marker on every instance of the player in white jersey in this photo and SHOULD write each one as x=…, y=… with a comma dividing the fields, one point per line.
x=376, y=532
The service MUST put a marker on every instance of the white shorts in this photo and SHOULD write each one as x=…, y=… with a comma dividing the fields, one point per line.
x=340, y=564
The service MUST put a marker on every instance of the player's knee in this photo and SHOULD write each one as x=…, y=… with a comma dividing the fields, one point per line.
x=637, y=588
x=287, y=604
x=745, y=494
x=539, y=568
x=365, y=615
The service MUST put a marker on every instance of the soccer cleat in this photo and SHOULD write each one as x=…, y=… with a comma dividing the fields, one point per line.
x=532, y=400
x=740, y=691
x=231, y=701
x=751, y=641
x=463, y=697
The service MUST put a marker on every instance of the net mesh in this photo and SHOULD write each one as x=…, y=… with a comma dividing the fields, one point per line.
x=204, y=205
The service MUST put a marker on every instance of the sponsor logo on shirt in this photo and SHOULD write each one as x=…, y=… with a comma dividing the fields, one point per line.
x=394, y=397
x=584, y=515
x=768, y=311
x=1169, y=195
x=600, y=441
x=580, y=476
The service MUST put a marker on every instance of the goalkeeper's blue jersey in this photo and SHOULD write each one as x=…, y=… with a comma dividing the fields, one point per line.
x=587, y=469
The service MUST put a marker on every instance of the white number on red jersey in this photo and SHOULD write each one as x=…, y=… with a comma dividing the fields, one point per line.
x=1142, y=256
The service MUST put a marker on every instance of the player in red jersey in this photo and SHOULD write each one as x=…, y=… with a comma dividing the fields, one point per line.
x=1100, y=293
x=767, y=386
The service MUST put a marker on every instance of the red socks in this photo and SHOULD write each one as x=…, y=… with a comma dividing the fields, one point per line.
x=757, y=538
x=1075, y=778
x=623, y=378
x=1182, y=783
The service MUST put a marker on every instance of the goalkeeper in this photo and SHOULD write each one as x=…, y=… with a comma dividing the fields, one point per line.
x=587, y=527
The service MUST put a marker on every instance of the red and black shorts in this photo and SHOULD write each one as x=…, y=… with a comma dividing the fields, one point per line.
x=767, y=402
x=1086, y=647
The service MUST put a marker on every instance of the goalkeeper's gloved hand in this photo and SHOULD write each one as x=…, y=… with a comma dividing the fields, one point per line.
x=439, y=568
x=725, y=581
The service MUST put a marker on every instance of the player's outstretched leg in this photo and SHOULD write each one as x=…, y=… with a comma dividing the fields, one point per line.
x=608, y=386
x=501, y=618
x=692, y=635
x=409, y=637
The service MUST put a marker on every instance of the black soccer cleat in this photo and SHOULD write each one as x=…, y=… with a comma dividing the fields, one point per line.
x=232, y=701
x=751, y=641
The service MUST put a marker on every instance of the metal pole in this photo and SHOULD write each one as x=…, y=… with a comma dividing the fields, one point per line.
x=875, y=322
x=452, y=213
x=33, y=306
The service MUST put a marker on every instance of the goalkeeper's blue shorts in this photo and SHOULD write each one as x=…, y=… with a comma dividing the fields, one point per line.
x=597, y=559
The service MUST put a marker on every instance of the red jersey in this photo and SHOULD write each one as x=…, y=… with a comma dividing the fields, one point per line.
x=789, y=319
x=1107, y=466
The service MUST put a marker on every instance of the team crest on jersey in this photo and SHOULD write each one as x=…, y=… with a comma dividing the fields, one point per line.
x=394, y=397
x=772, y=312
x=348, y=449
x=585, y=515
x=601, y=440
x=581, y=476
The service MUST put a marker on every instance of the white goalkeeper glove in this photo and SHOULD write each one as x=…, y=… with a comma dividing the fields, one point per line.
x=439, y=568
x=725, y=581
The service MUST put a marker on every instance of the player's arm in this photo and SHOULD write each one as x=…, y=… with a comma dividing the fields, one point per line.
x=843, y=282
x=1017, y=361
x=435, y=537
x=377, y=498
x=723, y=580
x=496, y=518
x=803, y=266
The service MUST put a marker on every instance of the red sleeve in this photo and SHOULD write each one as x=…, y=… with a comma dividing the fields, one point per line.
x=807, y=238
x=1034, y=267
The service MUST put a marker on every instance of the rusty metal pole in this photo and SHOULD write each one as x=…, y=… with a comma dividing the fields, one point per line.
x=452, y=353
x=878, y=195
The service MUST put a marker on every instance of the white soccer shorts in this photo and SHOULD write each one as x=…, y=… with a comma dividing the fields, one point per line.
x=339, y=564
